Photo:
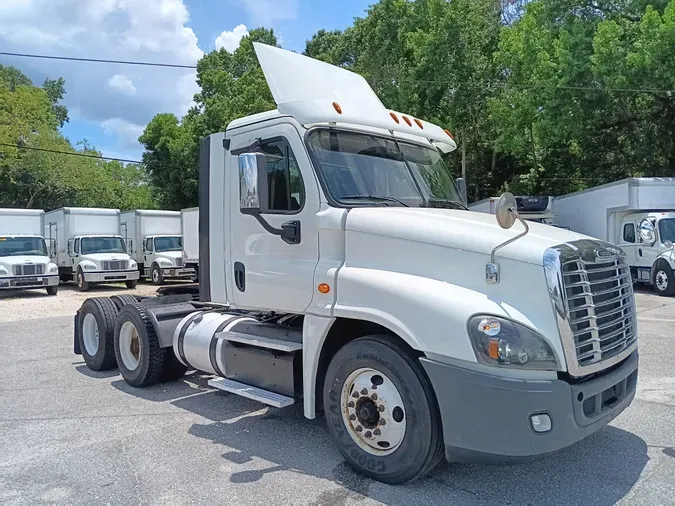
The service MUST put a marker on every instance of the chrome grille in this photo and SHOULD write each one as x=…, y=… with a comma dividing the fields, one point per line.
x=29, y=270
x=600, y=308
x=114, y=265
x=179, y=262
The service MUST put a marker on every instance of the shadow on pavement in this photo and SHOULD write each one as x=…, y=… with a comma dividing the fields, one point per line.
x=83, y=369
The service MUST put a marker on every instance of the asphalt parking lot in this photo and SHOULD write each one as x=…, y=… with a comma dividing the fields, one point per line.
x=69, y=435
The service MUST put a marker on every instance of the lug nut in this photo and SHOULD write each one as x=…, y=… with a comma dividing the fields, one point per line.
x=355, y=395
x=382, y=421
x=374, y=397
x=374, y=387
x=351, y=404
x=352, y=417
x=359, y=428
x=368, y=434
x=380, y=408
x=377, y=432
x=364, y=391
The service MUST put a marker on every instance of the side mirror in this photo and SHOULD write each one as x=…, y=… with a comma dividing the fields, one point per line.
x=130, y=245
x=52, y=247
x=647, y=233
x=253, y=189
x=461, y=187
x=70, y=247
x=668, y=244
x=506, y=211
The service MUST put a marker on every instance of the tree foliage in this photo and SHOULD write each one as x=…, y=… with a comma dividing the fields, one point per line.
x=35, y=172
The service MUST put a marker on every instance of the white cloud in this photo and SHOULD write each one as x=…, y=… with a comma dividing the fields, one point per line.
x=230, y=40
x=267, y=12
x=121, y=97
x=122, y=83
x=126, y=133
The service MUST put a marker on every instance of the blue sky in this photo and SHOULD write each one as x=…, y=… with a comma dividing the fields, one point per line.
x=110, y=104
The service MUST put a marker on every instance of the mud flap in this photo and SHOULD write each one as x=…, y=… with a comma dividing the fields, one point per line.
x=76, y=341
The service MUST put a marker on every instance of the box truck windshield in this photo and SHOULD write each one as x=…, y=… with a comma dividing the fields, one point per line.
x=15, y=246
x=102, y=245
x=163, y=244
x=367, y=167
x=667, y=229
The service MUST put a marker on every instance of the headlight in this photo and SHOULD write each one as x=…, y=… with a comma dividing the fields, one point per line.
x=53, y=268
x=89, y=267
x=133, y=264
x=504, y=343
x=3, y=271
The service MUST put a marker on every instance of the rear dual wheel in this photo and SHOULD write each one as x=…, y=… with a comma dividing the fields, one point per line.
x=96, y=323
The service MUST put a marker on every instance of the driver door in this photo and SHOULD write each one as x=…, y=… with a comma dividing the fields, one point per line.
x=628, y=240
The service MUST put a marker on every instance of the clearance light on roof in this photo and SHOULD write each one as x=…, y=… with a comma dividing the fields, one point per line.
x=449, y=134
x=337, y=107
x=407, y=120
x=394, y=117
x=419, y=124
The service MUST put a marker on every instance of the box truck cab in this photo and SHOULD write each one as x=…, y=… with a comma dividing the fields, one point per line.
x=154, y=241
x=341, y=269
x=636, y=214
x=88, y=247
x=24, y=256
x=190, y=231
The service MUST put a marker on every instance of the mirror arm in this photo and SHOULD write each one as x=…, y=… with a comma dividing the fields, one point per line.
x=269, y=228
x=513, y=239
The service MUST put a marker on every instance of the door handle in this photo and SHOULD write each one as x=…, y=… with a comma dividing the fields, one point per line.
x=640, y=251
x=290, y=232
x=240, y=276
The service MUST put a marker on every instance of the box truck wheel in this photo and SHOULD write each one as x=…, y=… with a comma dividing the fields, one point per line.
x=131, y=284
x=139, y=356
x=664, y=284
x=95, y=333
x=381, y=411
x=82, y=285
x=157, y=276
x=52, y=290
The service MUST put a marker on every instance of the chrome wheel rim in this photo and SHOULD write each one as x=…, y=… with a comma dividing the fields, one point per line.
x=661, y=280
x=155, y=275
x=90, y=334
x=373, y=411
x=130, y=346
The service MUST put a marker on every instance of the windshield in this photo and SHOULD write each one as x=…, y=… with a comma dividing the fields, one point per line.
x=102, y=245
x=168, y=244
x=359, y=167
x=14, y=246
x=667, y=229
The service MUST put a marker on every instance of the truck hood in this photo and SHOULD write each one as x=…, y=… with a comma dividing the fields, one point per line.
x=98, y=257
x=172, y=256
x=22, y=259
x=457, y=229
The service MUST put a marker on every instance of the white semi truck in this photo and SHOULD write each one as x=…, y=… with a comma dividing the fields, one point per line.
x=153, y=239
x=638, y=214
x=88, y=246
x=24, y=257
x=190, y=229
x=340, y=269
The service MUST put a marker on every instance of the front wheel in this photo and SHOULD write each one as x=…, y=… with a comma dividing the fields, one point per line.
x=131, y=284
x=664, y=284
x=381, y=411
x=52, y=290
x=82, y=285
x=157, y=276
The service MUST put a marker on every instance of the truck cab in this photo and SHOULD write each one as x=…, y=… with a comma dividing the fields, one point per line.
x=647, y=239
x=340, y=268
x=100, y=259
x=163, y=258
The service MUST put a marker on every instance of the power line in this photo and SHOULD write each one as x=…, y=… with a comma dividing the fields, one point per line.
x=98, y=60
x=70, y=153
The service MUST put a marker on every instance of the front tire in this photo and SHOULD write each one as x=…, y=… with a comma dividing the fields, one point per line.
x=139, y=356
x=131, y=284
x=157, y=276
x=96, y=324
x=52, y=290
x=664, y=281
x=381, y=411
x=82, y=285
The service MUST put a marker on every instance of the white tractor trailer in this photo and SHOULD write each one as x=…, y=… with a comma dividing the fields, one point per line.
x=340, y=268
x=24, y=255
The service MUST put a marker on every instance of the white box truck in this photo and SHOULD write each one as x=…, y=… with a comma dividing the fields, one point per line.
x=88, y=246
x=153, y=239
x=190, y=230
x=339, y=268
x=24, y=256
x=637, y=214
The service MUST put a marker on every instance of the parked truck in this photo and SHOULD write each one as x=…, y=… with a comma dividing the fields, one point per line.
x=88, y=247
x=341, y=269
x=24, y=257
x=153, y=239
x=190, y=229
x=638, y=214
x=537, y=209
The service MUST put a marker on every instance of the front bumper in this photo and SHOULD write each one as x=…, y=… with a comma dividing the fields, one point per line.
x=178, y=272
x=110, y=276
x=21, y=282
x=487, y=418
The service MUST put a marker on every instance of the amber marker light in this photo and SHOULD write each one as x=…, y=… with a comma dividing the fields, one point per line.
x=419, y=124
x=394, y=117
x=449, y=134
x=324, y=288
x=337, y=107
x=407, y=120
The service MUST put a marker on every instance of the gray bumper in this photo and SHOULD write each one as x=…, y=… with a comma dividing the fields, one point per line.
x=26, y=282
x=487, y=418
x=178, y=272
x=110, y=276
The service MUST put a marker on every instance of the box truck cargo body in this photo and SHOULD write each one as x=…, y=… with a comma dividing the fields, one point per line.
x=154, y=241
x=88, y=246
x=190, y=230
x=638, y=215
x=24, y=255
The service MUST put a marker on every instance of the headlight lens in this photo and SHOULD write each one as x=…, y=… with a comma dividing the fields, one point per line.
x=132, y=264
x=3, y=271
x=53, y=268
x=89, y=267
x=504, y=343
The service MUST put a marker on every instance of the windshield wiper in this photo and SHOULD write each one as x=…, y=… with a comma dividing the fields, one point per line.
x=445, y=203
x=374, y=197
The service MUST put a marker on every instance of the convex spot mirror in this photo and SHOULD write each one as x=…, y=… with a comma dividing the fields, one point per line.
x=668, y=244
x=647, y=233
x=506, y=212
x=253, y=189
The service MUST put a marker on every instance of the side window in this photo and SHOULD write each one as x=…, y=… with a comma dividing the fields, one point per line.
x=148, y=245
x=629, y=232
x=286, y=188
x=77, y=246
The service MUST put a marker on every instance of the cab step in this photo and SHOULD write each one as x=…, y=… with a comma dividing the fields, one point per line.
x=251, y=392
x=269, y=343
